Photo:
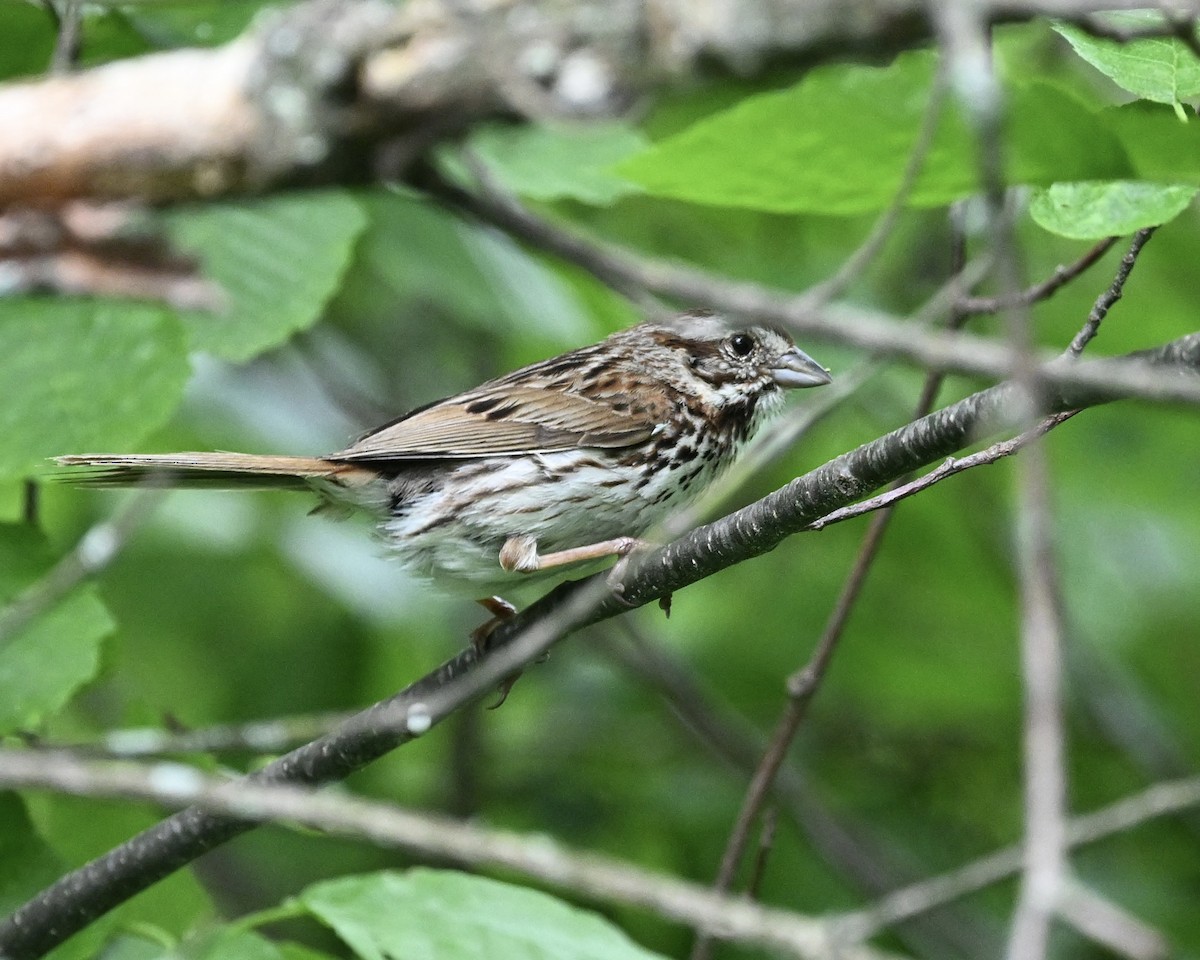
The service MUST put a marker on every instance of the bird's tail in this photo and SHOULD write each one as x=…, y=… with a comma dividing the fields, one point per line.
x=216, y=470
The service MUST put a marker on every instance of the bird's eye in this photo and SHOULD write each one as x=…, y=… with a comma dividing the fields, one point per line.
x=741, y=344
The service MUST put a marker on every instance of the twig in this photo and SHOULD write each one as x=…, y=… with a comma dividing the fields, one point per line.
x=438, y=837
x=950, y=467
x=730, y=736
x=1160, y=800
x=1108, y=924
x=69, y=23
x=1039, y=291
x=856, y=327
x=99, y=250
x=802, y=686
x=260, y=736
x=1109, y=297
x=766, y=843
x=963, y=34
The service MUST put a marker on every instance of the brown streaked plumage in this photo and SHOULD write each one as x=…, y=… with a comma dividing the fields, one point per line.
x=559, y=462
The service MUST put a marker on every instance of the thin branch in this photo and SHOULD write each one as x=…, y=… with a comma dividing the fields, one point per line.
x=99, y=250
x=802, y=686
x=586, y=874
x=857, y=327
x=1162, y=799
x=259, y=736
x=963, y=34
x=948, y=468
x=1108, y=924
x=1109, y=297
x=1039, y=291
x=69, y=23
x=730, y=736
x=435, y=837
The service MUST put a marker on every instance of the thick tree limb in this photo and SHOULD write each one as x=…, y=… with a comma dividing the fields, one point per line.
x=83, y=895
x=339, y=90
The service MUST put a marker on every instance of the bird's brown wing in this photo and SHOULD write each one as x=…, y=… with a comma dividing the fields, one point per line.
x=502, y=420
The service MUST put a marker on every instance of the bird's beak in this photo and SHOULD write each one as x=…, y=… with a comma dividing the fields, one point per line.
x=797, y=369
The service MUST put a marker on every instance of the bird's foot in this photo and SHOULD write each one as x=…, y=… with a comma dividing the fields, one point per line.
x=500, y=610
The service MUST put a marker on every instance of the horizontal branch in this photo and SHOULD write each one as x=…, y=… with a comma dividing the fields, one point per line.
x=81, y=896
x=344, y=90
x=584, y=874
x=435, y=838
x=873, y=331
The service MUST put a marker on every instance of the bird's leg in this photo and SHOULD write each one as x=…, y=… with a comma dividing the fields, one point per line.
x=520, y=553
x=500, y=610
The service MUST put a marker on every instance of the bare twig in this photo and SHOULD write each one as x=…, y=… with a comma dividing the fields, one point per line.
x=857, y=327
x=70, y=34
x=1103, y=921
x=260, y=736
x=963, y=34
x=1162, y=799
x=803, y=684
x=1109, y=297
x=950, y=467
x=716, y=725
x=1039, y=291
x=98, y=250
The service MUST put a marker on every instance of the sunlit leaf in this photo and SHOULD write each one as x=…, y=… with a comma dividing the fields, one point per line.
x=1109, y=208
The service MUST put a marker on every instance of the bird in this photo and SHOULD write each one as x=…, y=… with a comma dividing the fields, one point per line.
x=561, y=463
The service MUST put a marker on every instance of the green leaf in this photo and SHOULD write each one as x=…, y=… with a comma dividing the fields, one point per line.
x=1086, y=211
x=27, y=863
x=46, y=662
x=279, y=260
x=551, y=163
x=428, y=914
x=838, y=143
x=91, y=375
x=1162, y=69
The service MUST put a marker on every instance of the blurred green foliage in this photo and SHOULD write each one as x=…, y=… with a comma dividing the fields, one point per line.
x=351, y=307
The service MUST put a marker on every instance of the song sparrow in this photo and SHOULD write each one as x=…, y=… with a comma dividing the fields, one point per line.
x=562, y=461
